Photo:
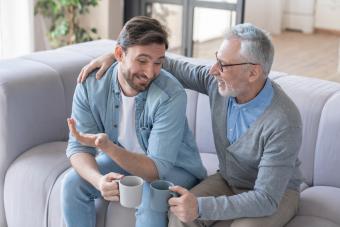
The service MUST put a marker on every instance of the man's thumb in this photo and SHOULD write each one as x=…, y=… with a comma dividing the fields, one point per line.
x=114, y=176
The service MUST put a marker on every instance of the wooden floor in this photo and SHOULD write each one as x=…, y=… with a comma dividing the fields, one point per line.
x=316, y=55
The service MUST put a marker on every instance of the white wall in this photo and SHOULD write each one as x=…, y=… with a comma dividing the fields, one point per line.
x=327, y=15
x=107, y=17
x=266, y=14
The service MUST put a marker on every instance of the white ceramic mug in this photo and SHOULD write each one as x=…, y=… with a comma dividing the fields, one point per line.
x=131, y=190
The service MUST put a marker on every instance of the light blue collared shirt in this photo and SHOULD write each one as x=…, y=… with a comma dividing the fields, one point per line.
x=161, y=125
x=240, y=117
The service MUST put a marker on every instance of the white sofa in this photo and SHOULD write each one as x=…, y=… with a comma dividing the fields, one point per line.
x=35, y=99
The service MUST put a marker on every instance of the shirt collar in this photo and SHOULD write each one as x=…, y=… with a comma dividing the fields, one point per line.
x=263, y=98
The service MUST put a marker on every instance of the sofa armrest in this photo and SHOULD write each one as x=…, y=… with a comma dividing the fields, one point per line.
x=36, y=94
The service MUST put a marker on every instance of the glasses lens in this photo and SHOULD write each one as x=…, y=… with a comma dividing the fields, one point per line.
x=219, y=64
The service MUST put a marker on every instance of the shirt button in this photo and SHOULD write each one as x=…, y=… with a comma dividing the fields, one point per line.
x=116, y=106
x=115, y=125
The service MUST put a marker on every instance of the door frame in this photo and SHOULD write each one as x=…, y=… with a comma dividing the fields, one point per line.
x=188, y=16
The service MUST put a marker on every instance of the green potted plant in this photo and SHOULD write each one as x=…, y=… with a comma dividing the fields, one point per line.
x=64, y=15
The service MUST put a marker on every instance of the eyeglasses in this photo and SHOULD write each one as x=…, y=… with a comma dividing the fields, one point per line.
x=221, y=66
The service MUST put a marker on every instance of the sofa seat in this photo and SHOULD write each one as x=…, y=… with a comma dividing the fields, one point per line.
x=310, y=221
x=29, y=182
x=322, y=203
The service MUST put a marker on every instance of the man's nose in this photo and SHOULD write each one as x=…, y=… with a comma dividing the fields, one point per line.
x=214, y=70
x=149, y=71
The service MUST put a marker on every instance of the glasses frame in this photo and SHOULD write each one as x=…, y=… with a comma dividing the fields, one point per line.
x=221, y=66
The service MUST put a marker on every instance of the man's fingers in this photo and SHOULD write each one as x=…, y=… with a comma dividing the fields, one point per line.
x=112, y=198
x=101, y=72
x=180, y=190
x=80, y=75
x=101, y=139
x=72, y=126
x=113, y=176
x=110, y=193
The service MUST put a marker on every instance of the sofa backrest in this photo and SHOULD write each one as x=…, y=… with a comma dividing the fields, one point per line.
x=317, y=100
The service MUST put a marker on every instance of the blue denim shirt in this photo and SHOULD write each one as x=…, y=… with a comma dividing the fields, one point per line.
x=161, y=125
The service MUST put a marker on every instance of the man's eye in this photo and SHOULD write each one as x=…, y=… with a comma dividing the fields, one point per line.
x=158, y=63
x=142, y=61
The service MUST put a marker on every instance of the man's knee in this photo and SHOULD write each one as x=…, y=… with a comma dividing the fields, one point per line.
x=71, y=184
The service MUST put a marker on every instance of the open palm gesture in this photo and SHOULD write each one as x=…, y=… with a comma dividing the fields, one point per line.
x=99, y=140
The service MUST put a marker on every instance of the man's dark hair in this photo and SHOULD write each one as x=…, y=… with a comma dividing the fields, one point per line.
x=142, y=30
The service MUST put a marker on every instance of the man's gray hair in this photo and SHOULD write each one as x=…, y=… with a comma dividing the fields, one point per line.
x=256, y=45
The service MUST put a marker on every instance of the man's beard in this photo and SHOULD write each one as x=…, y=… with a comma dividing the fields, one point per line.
x=136, y=86
x=225, y=89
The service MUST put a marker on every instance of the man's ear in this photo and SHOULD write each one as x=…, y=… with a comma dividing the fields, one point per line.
x=255, y=73
x=119, y=53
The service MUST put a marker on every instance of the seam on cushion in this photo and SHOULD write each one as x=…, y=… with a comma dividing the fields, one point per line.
x=46, y=210
x=316, y=217
x=75, y=52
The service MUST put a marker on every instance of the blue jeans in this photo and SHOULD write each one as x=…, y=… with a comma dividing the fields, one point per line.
x=77, y=196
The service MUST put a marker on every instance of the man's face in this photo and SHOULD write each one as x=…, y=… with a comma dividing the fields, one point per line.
x=232, y=80
x=140, y=65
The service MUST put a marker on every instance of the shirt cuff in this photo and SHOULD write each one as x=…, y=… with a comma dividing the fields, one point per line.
x=205, y=206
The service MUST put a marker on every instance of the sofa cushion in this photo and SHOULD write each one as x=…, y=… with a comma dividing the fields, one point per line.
x=210, y=162
x=203, y=130
x=119, y=216
x=327, y=154
x=29, y=182
x=310, y=221
x=191, y=109
x=310, y=96
x=322, y=202
x=54, y=215
x=66, y=65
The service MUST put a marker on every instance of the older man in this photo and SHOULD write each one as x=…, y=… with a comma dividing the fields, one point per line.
x=257, y=133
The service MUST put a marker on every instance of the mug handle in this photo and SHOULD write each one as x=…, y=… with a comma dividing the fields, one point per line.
x=174, y=194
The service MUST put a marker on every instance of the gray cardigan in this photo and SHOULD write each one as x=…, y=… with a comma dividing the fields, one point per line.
x=263, y=160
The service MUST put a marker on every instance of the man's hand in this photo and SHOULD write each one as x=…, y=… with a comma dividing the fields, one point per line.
x=184, y=207
x=108, y=187
x=99, y=140
x=103, y=63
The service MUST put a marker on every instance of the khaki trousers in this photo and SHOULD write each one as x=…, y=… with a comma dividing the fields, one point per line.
x=215, y=185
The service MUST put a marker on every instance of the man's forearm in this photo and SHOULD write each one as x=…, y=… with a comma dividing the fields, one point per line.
x=86, y=166
x=136, y=164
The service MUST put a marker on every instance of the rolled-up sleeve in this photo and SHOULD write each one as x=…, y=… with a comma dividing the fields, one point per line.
x=86, y=123
x=166, y=135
